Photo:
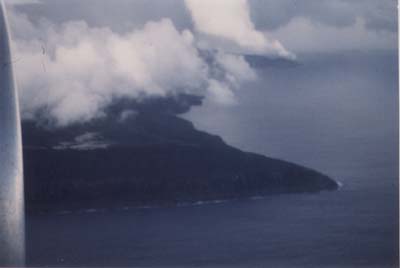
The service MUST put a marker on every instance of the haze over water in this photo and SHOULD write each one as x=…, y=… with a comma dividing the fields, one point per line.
x=336, y=114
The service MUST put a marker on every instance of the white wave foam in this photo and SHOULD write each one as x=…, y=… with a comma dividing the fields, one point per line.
x=91, y=210
x=64, y=212
x=257, y=197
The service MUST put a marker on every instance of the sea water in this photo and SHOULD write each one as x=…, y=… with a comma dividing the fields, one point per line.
x=336, y=114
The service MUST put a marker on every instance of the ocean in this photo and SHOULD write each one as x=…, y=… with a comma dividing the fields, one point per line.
x=337, y=114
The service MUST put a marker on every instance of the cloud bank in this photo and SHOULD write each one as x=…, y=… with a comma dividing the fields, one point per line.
x=273, y=14
x=230, y=20
x=71, y=73
x=305, y=36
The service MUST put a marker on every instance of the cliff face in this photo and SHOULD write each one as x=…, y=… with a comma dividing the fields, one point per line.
x=144, y=156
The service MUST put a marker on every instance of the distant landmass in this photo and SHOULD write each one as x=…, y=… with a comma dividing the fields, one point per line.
x=254, y=60
x=263, y=62
x=143, y=153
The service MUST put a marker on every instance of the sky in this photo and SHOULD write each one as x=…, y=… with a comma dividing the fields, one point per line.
x=75, y=58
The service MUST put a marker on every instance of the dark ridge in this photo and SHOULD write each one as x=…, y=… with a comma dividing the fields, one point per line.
x=262, y=62
x=150, y=157
x=255, y=61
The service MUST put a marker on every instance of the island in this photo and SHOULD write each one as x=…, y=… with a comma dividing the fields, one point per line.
x=141, y=152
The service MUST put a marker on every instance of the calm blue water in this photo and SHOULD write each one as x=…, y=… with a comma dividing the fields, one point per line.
x=337, y=114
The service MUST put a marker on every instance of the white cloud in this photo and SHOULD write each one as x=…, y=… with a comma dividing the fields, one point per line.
x=220, y=92
x=84, y=69
x=73, y=72
x=230, y=20
x=237, y=68
x=303, y=35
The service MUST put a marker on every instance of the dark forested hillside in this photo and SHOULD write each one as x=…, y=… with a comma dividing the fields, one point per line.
x=143, y=153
